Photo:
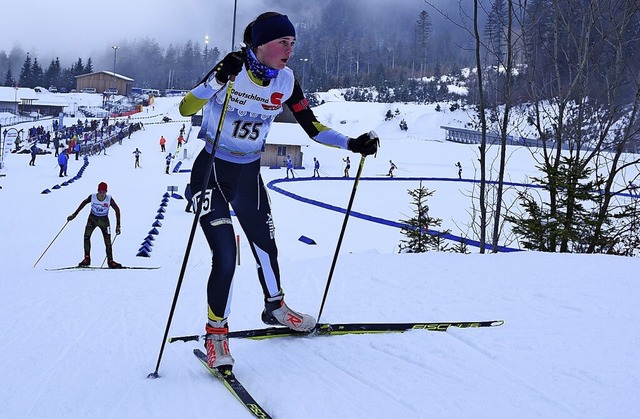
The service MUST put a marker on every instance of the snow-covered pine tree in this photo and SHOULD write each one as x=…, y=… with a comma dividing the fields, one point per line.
x=418, y=239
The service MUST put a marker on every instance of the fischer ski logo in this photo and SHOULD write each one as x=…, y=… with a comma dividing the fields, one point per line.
x=461, y=325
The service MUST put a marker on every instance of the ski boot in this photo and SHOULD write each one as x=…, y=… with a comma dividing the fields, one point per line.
x=114, y=265
x=216, y=343
x=85, y=262
x=277, y=312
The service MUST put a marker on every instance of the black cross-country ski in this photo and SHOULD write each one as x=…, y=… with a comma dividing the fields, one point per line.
x=234, y=386
x=93, y=268
x=327, y=329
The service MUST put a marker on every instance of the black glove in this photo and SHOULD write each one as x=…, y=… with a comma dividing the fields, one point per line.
x=366, y=144
x=71, y=217
x=230, y=65
x=117, y=230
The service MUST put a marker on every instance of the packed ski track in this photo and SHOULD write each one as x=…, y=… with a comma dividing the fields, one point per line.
x=80, y=344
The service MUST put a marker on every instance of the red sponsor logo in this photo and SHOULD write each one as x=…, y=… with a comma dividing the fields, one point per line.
x=294, y=320
x=276, y=100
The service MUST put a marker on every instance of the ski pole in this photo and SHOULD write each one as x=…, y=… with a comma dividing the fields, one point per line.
x=344, y=226
x=105, y=257
x=194, y=225
x=54, y=239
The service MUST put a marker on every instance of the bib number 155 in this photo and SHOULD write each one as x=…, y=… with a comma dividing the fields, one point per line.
x=246, y=130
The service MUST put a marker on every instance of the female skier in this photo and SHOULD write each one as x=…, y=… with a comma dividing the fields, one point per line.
x=262, y=83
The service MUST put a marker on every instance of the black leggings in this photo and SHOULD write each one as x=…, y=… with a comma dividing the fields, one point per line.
x=103, y=224
x=241, y=187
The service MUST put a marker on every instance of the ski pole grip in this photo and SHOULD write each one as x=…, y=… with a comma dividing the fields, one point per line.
x=184, y=338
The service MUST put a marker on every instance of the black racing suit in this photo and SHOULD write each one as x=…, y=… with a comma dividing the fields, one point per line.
x=241, y=186
x=103, y=224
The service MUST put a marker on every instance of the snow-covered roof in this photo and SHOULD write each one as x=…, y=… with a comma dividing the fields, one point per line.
x=110, y=73
x=40, y=95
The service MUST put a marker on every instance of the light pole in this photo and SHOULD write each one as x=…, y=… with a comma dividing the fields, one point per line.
x=115, y=53
x=304, y=61
x=206, y=52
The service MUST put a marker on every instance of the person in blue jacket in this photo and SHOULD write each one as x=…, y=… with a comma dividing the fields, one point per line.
x=63, y=158
x=316, y=167
x=290, y=167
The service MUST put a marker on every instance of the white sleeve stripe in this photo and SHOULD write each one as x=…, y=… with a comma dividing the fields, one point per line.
x=332, y=137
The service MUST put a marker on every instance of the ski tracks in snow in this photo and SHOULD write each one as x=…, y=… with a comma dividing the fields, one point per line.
x=486, y=355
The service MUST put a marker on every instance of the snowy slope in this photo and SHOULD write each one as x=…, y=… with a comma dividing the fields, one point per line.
x=80, y=344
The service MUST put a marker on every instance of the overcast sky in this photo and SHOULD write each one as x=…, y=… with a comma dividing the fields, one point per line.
x=80, y=29
x=72, y=29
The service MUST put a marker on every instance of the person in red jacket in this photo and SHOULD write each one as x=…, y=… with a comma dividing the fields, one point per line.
x=99, y=217
x=163, y=141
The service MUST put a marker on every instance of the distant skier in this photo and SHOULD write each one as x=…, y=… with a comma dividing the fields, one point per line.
x=316, y=167
x=168, y=160
x=99, y=217
x=391, y=168
x=290, y=167
x=347, y=167
x=137, y=153
x=459, y=166
x=103, y=148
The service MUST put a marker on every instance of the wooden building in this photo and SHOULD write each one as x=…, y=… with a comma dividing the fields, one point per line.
x=285, y=139
x=102, y=81
x=275, y=155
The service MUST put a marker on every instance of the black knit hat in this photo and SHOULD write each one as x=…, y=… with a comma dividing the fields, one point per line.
x=270, y=28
